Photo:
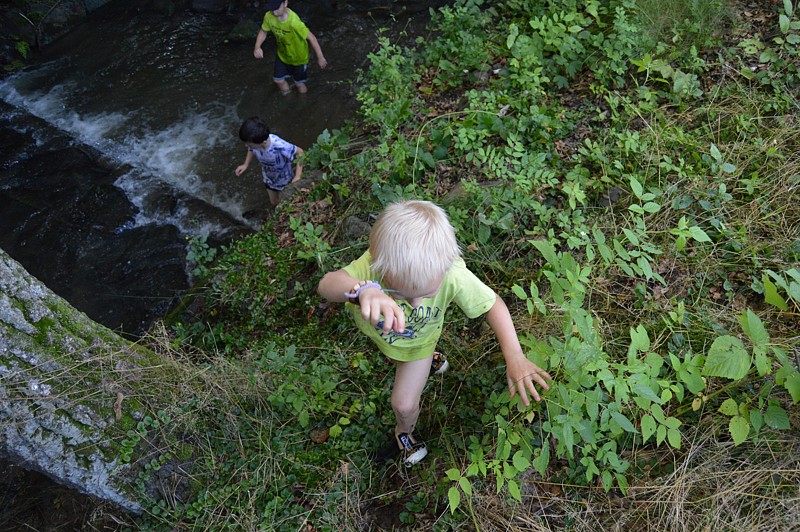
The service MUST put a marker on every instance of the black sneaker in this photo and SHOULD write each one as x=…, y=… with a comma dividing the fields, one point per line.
x=386, y=453
x=413, y=453
x=439, y=364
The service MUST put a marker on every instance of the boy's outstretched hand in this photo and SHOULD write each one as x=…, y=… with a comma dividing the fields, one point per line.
x=523, y=375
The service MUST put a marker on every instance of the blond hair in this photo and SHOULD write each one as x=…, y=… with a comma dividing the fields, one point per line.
x=413, y=244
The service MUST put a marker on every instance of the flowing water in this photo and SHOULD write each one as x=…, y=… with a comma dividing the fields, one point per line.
x=154, y=103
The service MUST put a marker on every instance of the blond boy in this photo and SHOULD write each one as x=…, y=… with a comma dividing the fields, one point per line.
x=398, y=292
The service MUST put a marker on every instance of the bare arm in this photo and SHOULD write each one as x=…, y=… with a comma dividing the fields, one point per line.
x=373, y=302
x=257, y=51
x=312, y=40
x=242, y=167
x=298, y=169
x=521, y=372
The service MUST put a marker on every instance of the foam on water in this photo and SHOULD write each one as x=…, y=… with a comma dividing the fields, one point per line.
x=170, y=158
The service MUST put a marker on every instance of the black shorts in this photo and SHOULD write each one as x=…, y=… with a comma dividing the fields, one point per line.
x=299, y=73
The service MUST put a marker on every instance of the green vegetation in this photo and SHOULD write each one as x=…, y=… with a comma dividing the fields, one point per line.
x=625, y=175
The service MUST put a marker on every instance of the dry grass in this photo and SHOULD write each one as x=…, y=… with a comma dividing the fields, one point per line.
x=714, y=486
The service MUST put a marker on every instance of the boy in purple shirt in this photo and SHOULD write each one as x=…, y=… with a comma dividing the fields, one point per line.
x=273, y=153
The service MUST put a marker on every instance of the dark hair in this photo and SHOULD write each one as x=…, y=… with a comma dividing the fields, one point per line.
x=254, y=130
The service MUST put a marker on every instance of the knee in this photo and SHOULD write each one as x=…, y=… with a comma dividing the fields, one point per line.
x=405, y=406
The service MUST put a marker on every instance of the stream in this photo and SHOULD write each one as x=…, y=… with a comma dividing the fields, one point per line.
x=120, y=143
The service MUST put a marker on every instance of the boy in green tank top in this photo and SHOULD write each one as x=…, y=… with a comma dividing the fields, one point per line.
x=397, y=293
x=293, y=38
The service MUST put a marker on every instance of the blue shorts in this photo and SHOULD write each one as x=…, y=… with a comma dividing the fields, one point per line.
x=299, y=73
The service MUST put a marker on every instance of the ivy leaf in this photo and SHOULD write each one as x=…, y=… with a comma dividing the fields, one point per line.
x=727, y=358
x=739, y=428
x=776, y=418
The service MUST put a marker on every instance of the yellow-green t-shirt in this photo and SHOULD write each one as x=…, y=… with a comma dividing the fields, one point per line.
x=423, y=324
x=291, y=35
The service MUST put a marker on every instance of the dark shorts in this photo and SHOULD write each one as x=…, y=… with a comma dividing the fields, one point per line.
x=299, y=73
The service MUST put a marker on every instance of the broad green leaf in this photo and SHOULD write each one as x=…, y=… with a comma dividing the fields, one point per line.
x=754, y=328
x=519, y=292
x=762, y=361
x=672, y=422
x=776, y=418
x=756, y=420
x=466, y=486
x=623, y=483
x=547, y=250
x=651, y=207
x=521, y=462
x=739, y=428
x=608, y=480
x=540, y=462
x=788, y=8
x=784, y=22
x=636, y=187
x=794, y=291
x=303, y=418
x=513, y=489
x=727, y=358
x=674, y=438
x=661, y=434
x=640, y=342
x=644, y=391
x=454, y=497
x=792, y=385
x=698, y=234
x=335, y=431
x=729, y=407
x=623, y=422
x=453, y=474
x=715, y=153
x=648, y=427
x=693, y=381
x=771, y=294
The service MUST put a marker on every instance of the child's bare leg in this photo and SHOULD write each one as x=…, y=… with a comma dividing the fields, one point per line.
x=283, y=85
x=274, y=196
x=301, y=87
x=409, y=381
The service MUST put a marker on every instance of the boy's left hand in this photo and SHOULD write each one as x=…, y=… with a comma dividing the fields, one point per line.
x=322, y=62
x=522, y=374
